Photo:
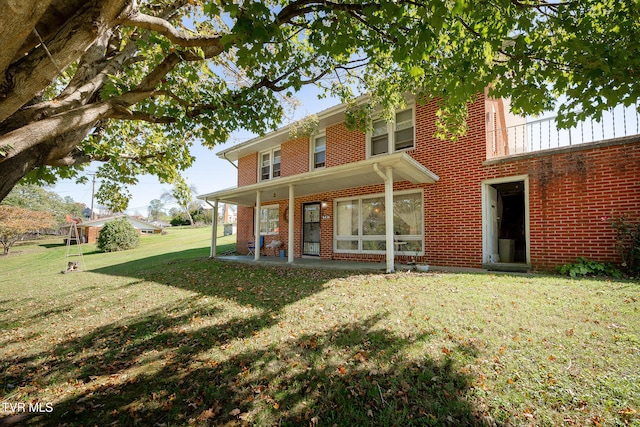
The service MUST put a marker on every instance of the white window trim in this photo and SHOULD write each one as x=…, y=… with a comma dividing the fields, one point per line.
x=271, y=157
x=391, y=133
x=269, y=207
x=360, y=237
x=312, y=148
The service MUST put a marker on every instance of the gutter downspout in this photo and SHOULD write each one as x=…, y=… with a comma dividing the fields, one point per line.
x=224, y=156
x=387, y=177
x=214, y=228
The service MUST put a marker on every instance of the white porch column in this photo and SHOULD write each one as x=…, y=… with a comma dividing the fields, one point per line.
x=387, y=177
x=292, y=218
x=256, y=227
x=388, y=213
x=214, y=230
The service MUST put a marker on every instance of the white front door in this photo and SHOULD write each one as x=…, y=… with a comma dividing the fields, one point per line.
x=491, y=226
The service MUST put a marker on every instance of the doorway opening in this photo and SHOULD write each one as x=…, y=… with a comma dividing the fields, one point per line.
x=506, y=219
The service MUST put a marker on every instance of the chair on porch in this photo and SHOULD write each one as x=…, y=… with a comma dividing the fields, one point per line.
x=398, y=246
x=251, y=246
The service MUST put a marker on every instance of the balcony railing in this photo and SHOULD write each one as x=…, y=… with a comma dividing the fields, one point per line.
x=543, y=134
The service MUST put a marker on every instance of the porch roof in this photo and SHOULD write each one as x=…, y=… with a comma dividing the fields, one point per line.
x=350, y=175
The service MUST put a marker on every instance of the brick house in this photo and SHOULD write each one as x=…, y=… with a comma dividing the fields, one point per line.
x=89, y=231
x=507, y=195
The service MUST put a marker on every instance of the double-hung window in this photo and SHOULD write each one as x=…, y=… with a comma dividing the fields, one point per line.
x=403, y=134
x=387, y=137
x=270, y=164
x=380, y=138
x=269, y=219
x=318, y=151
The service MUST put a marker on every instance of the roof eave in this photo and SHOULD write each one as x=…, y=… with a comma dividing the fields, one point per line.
x=326, y=118
x=327, y=180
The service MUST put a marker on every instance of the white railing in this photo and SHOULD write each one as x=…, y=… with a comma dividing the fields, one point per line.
x=544, y=134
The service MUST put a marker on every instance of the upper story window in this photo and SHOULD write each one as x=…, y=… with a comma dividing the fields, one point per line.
x=270, y=164
x=387, y=137
x=318, y=151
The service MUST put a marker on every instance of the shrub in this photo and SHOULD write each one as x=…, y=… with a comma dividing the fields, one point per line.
x=584, y=267
x=118, y=235
x=628, y=243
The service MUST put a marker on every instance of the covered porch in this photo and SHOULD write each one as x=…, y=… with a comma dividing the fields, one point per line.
x=385, y=170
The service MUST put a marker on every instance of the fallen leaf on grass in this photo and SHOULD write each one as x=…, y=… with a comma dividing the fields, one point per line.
x=628, y=411
x=207, y=415
x=361, y=356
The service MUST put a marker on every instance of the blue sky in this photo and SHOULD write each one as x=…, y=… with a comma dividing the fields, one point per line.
x=208, y=173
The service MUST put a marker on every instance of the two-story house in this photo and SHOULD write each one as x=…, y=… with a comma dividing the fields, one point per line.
x=507, y=194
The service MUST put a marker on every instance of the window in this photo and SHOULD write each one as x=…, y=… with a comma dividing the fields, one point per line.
x=347, y=225
x=403, y=136
x=318, y=151
x=360, y=223
x=270, y=164
x=379, y=138
x=398, y=135
x=270, y=219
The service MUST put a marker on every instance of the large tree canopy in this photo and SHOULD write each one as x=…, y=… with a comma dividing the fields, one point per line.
x=133, y=83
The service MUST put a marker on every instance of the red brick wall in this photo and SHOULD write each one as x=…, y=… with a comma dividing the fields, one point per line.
x=569, y=195
x=344, y=146
x=248, y=170
x=294, y=157
x=452, y=206
x=245, y=228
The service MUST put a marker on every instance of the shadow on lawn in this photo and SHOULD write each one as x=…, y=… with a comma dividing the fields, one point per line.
x=153, y=370
x=269, y=287
x=163, y=369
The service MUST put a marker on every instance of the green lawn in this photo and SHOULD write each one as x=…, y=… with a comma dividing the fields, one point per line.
x=161, y=335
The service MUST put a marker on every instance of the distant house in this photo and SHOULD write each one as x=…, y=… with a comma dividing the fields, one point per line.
x=160, y=224
x=89, y=230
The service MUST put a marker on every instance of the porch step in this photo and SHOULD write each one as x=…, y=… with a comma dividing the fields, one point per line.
x=515, y=267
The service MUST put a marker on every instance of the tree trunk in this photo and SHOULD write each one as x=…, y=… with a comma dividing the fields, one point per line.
x=33, y=73
x=12, y=170
x=16, y=22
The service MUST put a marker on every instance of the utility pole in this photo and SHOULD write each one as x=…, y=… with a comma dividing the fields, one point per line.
x=93, y=191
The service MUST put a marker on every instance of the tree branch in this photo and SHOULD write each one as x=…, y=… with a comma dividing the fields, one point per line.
x=16, y=23
x=82, y=158
x=34, y=72
x=138, y=115
x=165, y=28
x=44, y=130
x=301, y=7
